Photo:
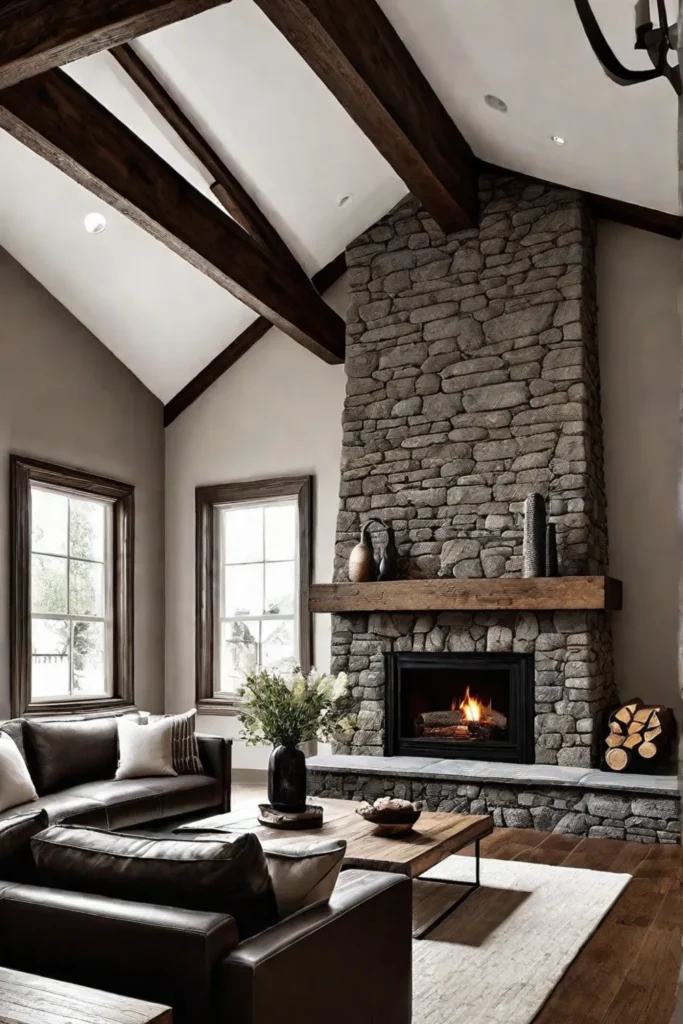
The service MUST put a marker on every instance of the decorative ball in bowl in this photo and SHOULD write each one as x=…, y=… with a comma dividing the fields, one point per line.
x=389, y=815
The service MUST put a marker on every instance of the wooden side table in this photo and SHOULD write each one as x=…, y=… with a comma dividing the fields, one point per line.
x=29, y=999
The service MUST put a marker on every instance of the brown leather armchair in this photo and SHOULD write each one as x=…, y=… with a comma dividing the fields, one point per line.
x=348, y=960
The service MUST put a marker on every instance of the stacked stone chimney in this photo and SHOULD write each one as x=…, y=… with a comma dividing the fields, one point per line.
x=473, y=380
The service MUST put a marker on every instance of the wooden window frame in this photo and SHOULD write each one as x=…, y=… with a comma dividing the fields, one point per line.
x=24, y=472
x=206, y=582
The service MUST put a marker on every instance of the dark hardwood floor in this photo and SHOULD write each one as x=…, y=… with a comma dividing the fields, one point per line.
x=627, y=973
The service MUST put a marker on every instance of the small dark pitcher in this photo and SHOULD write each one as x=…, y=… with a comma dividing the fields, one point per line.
x=287, y=779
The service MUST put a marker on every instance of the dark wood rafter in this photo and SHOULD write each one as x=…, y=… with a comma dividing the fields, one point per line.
x=207, y=500
x=323, y=280
x=354, y=49
x=23, y=472
x=226, y=187
x=60, y=121
x=38, y=35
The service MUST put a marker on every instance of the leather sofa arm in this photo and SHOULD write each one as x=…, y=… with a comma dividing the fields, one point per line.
x=215, y=753
x=163, y=954
x=349, y=960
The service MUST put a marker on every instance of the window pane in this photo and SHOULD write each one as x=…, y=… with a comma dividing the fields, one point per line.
x=48, y=585
x=88, y=528
x=49, y=521
x=242, y=534
x=281, y=523
x=280, y=588
x=90, y=675
x=243, y=589
x=238, y=653
x=86, y=588
x=277, y=645
x=50, y=662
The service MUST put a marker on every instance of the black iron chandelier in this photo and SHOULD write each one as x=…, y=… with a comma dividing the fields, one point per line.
x=656, y=41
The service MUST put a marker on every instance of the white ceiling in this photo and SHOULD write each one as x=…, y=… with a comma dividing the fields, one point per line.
x=298, y=152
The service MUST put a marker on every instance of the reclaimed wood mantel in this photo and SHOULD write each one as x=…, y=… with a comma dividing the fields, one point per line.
x=560, y=593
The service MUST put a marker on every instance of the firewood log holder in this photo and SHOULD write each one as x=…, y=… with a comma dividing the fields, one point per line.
x=471, y=888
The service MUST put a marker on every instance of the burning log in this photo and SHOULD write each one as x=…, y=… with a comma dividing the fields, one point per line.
x=467, y=719
x=638, y=731
x=492, y=717
x=454, y=731
x=431, y=719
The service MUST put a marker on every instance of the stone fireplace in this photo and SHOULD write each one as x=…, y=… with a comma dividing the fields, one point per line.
x=473, y=380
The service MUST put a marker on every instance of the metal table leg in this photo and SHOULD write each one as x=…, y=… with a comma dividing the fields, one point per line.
x=471, y=887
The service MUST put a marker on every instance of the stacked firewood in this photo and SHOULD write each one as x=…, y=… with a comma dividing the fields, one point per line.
x=639, y=737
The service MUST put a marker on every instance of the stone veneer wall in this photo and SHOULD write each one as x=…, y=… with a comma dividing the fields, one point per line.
x=640, y=818
x=473, y=380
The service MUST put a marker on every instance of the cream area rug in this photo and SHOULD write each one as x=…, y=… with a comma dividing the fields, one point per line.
x=497, y=958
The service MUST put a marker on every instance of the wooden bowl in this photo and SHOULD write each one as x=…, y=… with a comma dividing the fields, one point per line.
x=389, y=822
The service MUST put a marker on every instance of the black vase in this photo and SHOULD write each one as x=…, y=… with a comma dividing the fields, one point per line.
x=534, y=536
x=388, y=563
x=287, y=779
x=551, y=566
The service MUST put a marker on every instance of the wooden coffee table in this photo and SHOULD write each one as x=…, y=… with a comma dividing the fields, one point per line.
x=436, y=836
x=30, y=999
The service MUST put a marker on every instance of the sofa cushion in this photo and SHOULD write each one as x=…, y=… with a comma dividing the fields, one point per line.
x=15, y=843
x=184, y=745
x=15, y=728
x=197, y=874
x=16, y=785
x=63, y=754
x=113, y=804
x=304, y=872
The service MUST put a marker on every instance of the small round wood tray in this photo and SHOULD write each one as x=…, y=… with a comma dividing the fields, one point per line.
x=312, y=817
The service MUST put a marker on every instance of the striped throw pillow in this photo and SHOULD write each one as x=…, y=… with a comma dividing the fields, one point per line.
x=184, y=746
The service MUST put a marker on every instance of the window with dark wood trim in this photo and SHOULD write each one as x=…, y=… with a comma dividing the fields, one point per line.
x=71, y=590
x=253, y=573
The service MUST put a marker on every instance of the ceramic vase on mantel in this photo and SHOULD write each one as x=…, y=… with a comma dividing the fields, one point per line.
x=362, y=558
x=287, y=779
x=551, y=566
x=534, y=536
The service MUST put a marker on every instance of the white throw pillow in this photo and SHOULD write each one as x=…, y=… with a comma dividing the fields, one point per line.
x=145, y=750
x=16, y=785
x=186, y=760
x=303, y=871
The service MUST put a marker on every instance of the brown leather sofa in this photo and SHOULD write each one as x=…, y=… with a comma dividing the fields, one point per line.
x=349, y=960
x=72, y=762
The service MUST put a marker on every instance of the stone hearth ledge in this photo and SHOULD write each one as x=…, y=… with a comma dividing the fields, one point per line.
x=554, y=798
x=465, y=770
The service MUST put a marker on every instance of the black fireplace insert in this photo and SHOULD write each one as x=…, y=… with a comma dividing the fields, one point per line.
x=478, y=705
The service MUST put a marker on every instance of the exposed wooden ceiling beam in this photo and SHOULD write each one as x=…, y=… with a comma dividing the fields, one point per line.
x=58, y=119
x=226, y=188
x=323, y=280
x=354, y=49
x=37, y=35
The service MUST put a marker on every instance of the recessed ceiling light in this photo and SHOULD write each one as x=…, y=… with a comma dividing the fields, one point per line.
x=94, y=223
x=558, y=140
x=344, y=200
x=496, y=103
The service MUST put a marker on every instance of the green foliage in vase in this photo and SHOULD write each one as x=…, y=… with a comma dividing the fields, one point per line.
x=281, y=709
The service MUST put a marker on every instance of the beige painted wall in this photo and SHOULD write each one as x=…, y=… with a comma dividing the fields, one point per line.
x=276, y=412
x=65, y=398
x=640, y=356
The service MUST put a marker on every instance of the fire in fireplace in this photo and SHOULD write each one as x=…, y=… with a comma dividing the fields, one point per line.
x=460, y=705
